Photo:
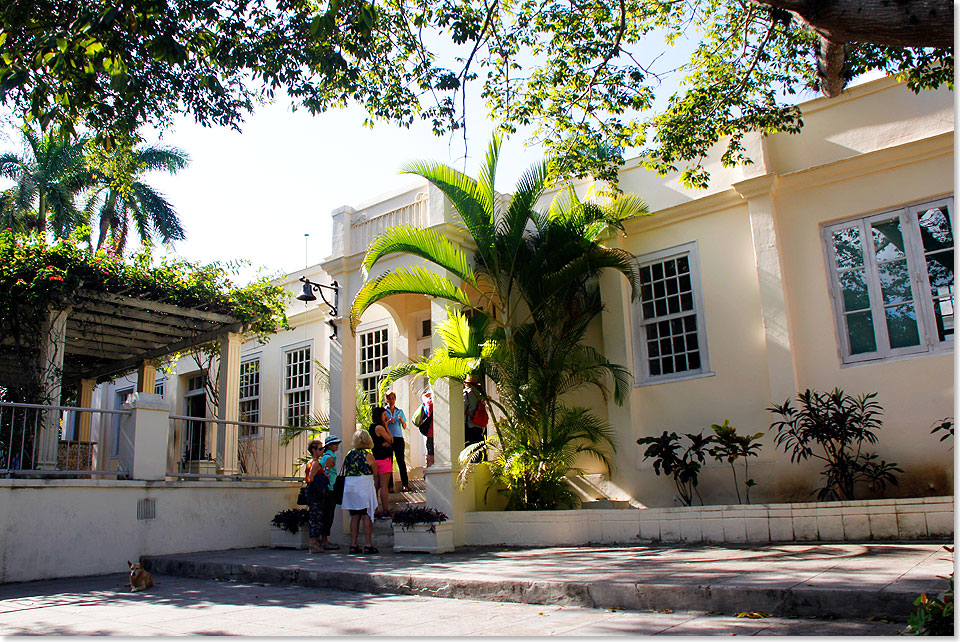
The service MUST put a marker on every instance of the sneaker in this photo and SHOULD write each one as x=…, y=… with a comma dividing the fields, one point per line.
x=370, y=550
x=354, y=550
x=331, y=547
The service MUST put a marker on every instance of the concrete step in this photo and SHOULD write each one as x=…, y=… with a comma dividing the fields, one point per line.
x=605, y=504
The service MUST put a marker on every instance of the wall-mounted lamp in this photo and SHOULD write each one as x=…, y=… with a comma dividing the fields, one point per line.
x=307, y=295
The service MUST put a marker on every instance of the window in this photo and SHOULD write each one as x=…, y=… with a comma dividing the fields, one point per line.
x=158, y=387
x=671, y=341
x=250, y=396
x=373, y=359
x=296, y=386
x=892, y=281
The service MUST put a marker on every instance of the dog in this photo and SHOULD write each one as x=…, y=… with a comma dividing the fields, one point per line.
x=139, y=578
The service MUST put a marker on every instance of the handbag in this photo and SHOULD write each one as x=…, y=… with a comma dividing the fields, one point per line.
x=337, y=492
x=302, y=496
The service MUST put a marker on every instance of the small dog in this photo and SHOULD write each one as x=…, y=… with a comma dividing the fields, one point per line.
x=139, y=578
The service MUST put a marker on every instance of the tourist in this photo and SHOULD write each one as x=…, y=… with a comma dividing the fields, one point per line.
x=315, y=498
x=383, y=459
x=427, y=400
x=397, y=423
x=473, y=405
x=359, y=494
x=328, y=462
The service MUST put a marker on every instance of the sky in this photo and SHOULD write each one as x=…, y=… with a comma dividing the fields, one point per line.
x=255, y=194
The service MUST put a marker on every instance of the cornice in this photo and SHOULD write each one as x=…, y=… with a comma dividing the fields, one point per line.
x=685, y=211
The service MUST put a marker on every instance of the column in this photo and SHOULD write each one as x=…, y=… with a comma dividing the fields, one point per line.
x=54, y=335
x=86, y=401
x=343, y=386
x=145, y=434
x=781, y=366
x=443, y=492
x=228, y=407
x=147, y=376
x=617, y=344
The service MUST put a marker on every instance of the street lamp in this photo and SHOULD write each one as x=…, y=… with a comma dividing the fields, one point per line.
x=307, y=296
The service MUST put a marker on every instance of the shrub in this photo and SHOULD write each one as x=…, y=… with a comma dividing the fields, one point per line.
x=291, y=519
x=407, y=517
x=933, y=616
x=729, y=447
x=683, y=467
x=834, y=428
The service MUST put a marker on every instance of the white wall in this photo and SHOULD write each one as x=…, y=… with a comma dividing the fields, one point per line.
x=63, y=528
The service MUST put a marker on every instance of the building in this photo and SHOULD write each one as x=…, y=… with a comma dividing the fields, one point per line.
x=827, y=262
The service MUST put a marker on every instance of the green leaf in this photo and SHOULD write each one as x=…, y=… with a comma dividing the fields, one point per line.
x=414, y=279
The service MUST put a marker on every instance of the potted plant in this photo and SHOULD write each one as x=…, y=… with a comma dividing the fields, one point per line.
x=288, y=529
x=419, y=529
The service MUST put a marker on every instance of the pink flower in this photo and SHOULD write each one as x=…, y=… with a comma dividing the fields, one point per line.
x=54, y=278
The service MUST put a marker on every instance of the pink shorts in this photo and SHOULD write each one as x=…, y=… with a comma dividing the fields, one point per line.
x=384, y=466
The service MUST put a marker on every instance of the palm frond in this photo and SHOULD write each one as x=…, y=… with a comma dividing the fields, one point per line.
x=428, y=244
x=413, y=279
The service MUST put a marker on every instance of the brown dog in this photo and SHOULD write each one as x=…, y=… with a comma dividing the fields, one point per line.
x=139, y=578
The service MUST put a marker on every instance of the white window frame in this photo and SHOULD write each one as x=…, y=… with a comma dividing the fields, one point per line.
x=919, y=284
x=642, y=376
x=251, y=431
x=361, y=332
x=159, y=387
x=287, y=390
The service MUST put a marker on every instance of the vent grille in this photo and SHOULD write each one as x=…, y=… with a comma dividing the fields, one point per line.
x=147, y=509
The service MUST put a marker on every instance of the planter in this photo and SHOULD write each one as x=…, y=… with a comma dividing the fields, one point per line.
x=280, y=538
x=423, y=538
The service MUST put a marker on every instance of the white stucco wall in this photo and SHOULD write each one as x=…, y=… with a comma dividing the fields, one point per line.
x=63, y=528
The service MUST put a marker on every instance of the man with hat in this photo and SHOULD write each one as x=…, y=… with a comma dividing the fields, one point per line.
x=328, y=463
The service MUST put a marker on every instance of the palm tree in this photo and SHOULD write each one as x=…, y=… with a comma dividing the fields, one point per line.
x=534, y=295
x=121, y=198
x=48, y=175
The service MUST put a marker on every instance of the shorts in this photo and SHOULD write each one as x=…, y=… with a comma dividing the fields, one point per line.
x=430, y=446
x=358, y=511
x=384, y=466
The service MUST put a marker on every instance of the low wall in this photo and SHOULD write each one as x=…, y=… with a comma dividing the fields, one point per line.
x=62, y=528
x=881, y=519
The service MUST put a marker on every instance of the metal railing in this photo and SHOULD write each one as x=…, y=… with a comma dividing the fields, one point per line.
x=57, y=441
x=363, y=234
x=207, y=448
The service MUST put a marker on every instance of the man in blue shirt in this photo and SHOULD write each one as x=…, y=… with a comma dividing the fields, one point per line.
x=396, y=424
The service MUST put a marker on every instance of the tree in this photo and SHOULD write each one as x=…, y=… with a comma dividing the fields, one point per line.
x=119, y=196
x=532, y=296
x=586, y=74
x=117, y=67
x=48, y=175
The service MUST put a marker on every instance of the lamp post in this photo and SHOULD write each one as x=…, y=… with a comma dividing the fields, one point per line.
x=307, y=295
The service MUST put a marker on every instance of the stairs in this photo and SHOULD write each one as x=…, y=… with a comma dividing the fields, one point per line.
x=597, y=491
x=383, y=528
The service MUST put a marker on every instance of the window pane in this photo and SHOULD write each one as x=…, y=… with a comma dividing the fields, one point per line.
x=902, y=326
x=686, y=301
x=895, y=282
x=848, y=248
x=888, y=239
x=935, y=229
x=683, y=265
x=940, y=269
x=943, y=311
x=648, y=310
x=853, y=284
x=860, y=332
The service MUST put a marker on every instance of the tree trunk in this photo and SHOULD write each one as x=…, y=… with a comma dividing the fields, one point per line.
x=897, y=23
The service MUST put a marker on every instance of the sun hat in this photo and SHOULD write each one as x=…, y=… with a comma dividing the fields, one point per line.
x=331, y=440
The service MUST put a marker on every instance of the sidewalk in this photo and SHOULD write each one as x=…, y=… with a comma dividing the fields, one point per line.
x=814, y=579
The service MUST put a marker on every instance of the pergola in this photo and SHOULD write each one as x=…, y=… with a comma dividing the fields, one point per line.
x=97, y=336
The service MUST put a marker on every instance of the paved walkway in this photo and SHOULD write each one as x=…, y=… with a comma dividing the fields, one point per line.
x=187, y=606
x=838, y=580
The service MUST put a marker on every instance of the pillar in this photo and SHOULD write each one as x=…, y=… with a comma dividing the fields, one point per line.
x=144, y=437
x=781, y=366
x=147, y=376
x=86, y=401
x=443, y=492
x=54, y=335
x=343, y=386
x=228, y=408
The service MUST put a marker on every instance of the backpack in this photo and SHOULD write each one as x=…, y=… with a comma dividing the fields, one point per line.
x=318, y=486
x=422, y=420
x=480, y=417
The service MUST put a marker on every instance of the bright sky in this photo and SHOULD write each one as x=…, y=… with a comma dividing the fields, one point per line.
x=255, y=194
